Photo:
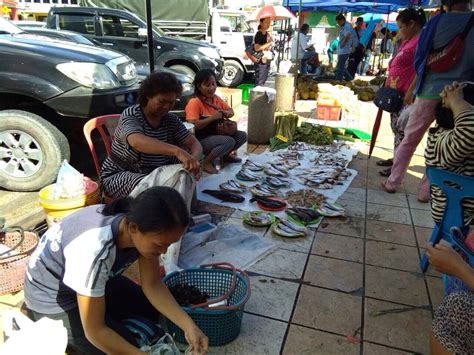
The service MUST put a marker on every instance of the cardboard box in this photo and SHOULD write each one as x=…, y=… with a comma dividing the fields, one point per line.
x=232, y=96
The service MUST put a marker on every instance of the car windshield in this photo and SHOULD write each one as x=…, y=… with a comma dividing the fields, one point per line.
x=154, y=27
x=6, y=27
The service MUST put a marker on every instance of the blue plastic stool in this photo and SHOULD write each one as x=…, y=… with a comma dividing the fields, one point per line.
x=456, y=188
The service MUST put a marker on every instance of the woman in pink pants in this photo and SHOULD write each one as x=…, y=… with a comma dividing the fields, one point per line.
x=430, y=84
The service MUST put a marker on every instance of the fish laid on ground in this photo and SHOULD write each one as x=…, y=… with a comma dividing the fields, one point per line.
x=276, y=182
x=252, y=166
x=275, y=172
x=293, y=226
x=247, y=175
x=225, y=196
x=262, y=190
x=233, y=186
x=303, y=215
x=331, y=210
x=283, y=229
x=258, y=219
x=268, y=202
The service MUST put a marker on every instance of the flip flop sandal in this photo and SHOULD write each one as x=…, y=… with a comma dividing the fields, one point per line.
x=385, y=172
x=386, y=162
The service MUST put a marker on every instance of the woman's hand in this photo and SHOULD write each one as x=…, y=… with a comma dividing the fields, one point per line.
x=190, y=163
x=197, y=340
x=452, y=94
x=446, y=260
x=216, y=116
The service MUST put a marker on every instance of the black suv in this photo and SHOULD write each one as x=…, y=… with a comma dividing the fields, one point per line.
x=125, y=32
x=48, y=90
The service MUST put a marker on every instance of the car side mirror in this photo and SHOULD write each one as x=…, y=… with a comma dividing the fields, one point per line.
x=142, y=33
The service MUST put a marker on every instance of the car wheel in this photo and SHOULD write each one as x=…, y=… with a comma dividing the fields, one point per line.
x=31, y=151
x=233, y=74
x=183, y=69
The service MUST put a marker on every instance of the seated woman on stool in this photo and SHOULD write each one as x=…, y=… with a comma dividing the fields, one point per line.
x=206, y=110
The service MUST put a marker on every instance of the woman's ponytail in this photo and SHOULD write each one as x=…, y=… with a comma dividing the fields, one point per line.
x=120, y=205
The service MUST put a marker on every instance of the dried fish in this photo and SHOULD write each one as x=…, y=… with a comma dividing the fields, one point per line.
x=276, y=182
x=262, y=190
x=258, y=218
x=331, y=210
x=271, y=170
x=225, y=196
x=269, y=202
x=305, y=198
x=252, y=166
x=303, y=215
x=247, y=175
x=233, y=186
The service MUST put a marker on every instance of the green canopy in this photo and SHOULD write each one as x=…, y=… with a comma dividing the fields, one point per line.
x=170, y=10
x=321, y=19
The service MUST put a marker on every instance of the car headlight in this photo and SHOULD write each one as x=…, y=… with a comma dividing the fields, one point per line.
x=210, y=52
x=188, y=89
x=92, y=75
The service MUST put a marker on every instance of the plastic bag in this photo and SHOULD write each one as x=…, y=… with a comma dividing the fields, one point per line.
x=44, y=337
x=403, y=117
x=70, y=182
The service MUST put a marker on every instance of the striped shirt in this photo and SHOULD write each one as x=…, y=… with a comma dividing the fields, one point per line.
x=77, y=256
x=171, y=130
x=453, y=150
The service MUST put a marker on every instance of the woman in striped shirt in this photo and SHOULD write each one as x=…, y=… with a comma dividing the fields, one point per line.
x=149, y=137
x=450, y=144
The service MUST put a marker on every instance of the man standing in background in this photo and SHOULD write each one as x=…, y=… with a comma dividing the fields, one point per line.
x=344, y=50
x=358, y=54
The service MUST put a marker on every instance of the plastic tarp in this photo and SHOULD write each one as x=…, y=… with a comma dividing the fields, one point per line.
x=171, y=10
x=381, y=6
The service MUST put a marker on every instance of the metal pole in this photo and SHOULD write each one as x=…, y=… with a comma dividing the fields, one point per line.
x=149, y=37
x=298, y=38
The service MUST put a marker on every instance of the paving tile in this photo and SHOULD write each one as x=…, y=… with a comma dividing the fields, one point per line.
x=394, y=256
x=332, y=273
x=413, y=202
x=396, y=286
x=337, y=246
x=353, y=208
x=388, y=213
x=373, y=349
x=272, y=297
x=350, y=226
x=359, y=182
x=239, y=223
x=328, y=310
x=355, y=194
x=302, y=244
x=258, y=335
x=390, y=232
x=423, y=236
x=301, y=340
x=422, y=218
x=381, y=197
x=409, y=329
x=436, y=289
x=281, y=263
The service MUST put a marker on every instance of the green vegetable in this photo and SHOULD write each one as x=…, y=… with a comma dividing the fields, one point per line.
x=276, y=144
x=286, y=123
x=313, y=134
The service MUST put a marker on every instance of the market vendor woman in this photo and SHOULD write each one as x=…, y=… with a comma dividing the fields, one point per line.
x=149, y=137
x=75, y=273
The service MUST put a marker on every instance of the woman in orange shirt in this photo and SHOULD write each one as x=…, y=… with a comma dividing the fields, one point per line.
x=205, y=111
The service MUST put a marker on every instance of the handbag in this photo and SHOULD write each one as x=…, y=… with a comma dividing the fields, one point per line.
x=226, y=127
x=446, y=57
x=389, y=99
x=253, y=55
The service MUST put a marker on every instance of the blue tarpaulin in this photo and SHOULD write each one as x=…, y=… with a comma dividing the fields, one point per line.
x=381, y=6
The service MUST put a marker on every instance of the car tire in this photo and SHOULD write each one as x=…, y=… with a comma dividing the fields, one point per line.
x=183, y=69
x=31, y=151
x=233, y=73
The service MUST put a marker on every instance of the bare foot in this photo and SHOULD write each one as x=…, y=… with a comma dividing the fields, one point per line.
x=209, y=168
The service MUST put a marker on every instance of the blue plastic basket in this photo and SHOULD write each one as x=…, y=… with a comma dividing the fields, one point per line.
x=221, y=324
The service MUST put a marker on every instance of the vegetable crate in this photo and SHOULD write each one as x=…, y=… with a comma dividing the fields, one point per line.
x=328, y=113
x=228, y=289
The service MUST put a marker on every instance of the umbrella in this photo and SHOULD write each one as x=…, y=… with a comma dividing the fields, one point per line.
x=375, y=131
x=275, y=12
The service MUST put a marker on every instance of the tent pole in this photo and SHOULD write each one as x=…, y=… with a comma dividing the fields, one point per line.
x=149, y=37
x=297, y=30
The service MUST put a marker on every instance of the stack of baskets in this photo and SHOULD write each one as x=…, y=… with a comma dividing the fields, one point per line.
x=224, y=284
x=13, y=262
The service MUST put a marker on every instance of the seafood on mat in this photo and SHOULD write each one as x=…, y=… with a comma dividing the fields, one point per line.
x=269, y=202
x=247, y=175
x=305, y=198
x=225, y=196
x=290, y=155
x=252, y=166
x=262, y=190
x=274, y=171
x=233, y=186
x=286, y=228
x=324, y=176
x=276, y=182
x=258, y=219
x=331, y=209
x=303, y=215
x=330, y=160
